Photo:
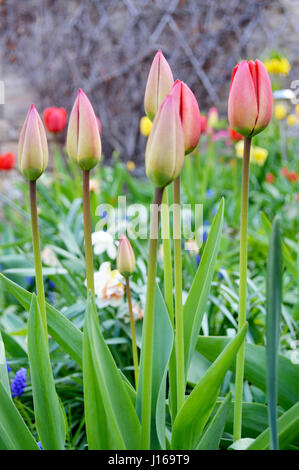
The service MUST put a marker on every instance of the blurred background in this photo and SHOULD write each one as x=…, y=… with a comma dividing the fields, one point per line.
x=50, y=48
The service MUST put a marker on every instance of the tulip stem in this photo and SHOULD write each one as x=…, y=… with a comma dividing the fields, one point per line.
x=87, y=232
x=242, y=289
x=148, y=326
x=179, y=324
x=37, y=257
x=132, y=322
x=168, y=295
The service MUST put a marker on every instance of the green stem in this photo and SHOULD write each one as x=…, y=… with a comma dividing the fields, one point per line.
x=179, y=324
x=242, y=289
x=37, y=257
x=168, y=283
x=132, y=322
x=149, y=323
x=168, y=295
x=87, y=232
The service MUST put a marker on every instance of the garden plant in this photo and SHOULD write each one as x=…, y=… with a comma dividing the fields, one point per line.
x=119, y=336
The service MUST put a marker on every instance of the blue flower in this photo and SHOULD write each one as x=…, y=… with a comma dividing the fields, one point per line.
x=40, y=445
x=210, y=193
x=8, y=366
x=198, y=259
x=29, y=280
x=204, y=236
x=220, y=273
x=206, y=223
x=52, y=285
x=19, y=383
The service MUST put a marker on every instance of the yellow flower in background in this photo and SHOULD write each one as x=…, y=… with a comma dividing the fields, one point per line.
x=278, y=66
x=145, y=126
x=291, y=120
x=280, y=112
x=131, y=165
x=258, y=155
x=297, y=110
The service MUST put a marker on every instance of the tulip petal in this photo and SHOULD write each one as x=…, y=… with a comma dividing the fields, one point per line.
x=264, y=97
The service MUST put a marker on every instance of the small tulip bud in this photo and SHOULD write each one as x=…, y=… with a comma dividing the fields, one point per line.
x=159, y=83
x=55, y=119
x=164, y=154
x=125, y=257
x=83, y=136
x=189, y=114
x=33, y=146
x=250, y=98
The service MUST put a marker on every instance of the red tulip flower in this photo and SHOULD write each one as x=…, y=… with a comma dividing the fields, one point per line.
x=293, y=176
x=270, y=178
x=235, y=136
x=55, y=119
x=189, y=114
x=250, y=98
x=203, y=124
x=285, y=172
x=7, y=161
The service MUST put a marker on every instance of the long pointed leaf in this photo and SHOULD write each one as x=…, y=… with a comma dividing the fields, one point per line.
x=111, y=419
x=47, y=409
x=13, y=431
x=197, y=408
x=3, y=368
x=195, y=304
x=255, y=367
x=211, y=438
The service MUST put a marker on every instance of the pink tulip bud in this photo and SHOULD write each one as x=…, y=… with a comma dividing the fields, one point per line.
x=125, y=257
x=33, y=146
x=164, y=154
x=159, y=83
x=83, y=136
x=189, y=114
x=250, y=98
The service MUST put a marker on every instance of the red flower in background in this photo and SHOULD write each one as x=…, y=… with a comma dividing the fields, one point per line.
x=203, y=124
x=293, y=176
x=297, y=196
x=270, y=178
x=55, y=119
x=285, y=171
x=235, y=136
x=7, y=161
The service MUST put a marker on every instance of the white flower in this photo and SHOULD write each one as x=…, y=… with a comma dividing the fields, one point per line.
x=108, y=287
x=102, y=242
x=49, y=257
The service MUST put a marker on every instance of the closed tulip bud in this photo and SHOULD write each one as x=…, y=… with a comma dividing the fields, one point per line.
x=83, y=136
x=125, y=257
x=164, y=154
x=33, y=146
x=250, y=98
x=189, y=114
x=159, y=83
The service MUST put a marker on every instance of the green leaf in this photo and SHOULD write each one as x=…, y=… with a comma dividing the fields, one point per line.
x=288, y=258
x=273, y=308
x=4, y=380
x=255, y=367
x=197, y=408
x=67, y=335
x=195, y=304
x=211, y=438
x=162, y=347
x=111, y=419
x=241, y=444
x=47, y=409
x=288, y=431
x=13, y=431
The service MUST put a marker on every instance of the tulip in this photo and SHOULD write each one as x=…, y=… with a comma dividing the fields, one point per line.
x=125, y=257
x=213, y=118
x=55, y=119
x=189, y=114
x=7, y=161
x=235, y=136
x=33, y=147
x=164, y=154
x=159, y=83
x=83, y=136
x=250, y=98
x=203, y=124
